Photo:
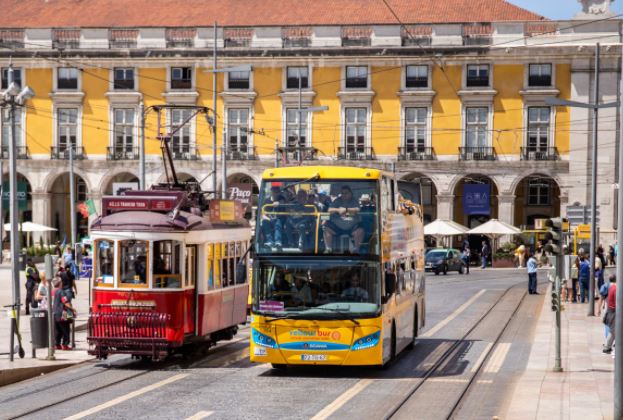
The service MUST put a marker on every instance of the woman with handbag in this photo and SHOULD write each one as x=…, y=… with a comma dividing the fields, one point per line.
x=41, y=295
x=64, y=313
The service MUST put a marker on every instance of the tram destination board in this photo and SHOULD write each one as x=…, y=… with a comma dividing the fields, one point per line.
x=117, y=203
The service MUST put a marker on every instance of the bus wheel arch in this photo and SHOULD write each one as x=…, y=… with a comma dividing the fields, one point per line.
x=416, y=328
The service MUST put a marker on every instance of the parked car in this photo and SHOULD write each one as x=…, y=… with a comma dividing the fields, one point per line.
x=442, y=260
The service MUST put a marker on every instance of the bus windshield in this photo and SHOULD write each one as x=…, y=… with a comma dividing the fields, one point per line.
x=318, y=288
x=318, y=217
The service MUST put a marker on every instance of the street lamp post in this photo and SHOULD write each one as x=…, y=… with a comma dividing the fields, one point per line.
x=13, y=97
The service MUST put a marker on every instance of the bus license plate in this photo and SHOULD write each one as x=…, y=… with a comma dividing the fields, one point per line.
x=314, y=357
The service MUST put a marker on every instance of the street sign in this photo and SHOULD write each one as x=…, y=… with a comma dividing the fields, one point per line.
x=579, y=214
x=583, y=231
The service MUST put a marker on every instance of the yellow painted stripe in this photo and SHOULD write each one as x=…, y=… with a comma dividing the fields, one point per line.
x=497, y=358
x=342, y=399
x=126, y=397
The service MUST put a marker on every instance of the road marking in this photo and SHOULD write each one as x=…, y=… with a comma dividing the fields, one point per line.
x=201, y=415
x=497, y=358
x=126, y=397
x=481, y=358
x=342, y=399
x=453, y=315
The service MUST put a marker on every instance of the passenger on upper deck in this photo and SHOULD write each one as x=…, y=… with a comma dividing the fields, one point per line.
x=300, y=223
x=344, y=220
x=272, y=225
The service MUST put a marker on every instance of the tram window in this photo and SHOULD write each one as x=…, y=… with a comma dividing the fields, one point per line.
x=104, y=262
x=133, y=262
x=217, y=265
x=190, y=271
x=167, y=264
x=228, y=264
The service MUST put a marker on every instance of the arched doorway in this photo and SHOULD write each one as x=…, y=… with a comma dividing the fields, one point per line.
x=60, y=207
x=238, y=187
x=429, y=195
x=536, y=197
x=475, y=202
x=121, y=182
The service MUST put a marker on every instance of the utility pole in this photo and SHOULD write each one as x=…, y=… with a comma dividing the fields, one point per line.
x=591, y=283
x=300, y=117
x=15, y=246
x=224, y=166
x=214, y=98
x=72, y=195
x=141, y=150
x=618, y=355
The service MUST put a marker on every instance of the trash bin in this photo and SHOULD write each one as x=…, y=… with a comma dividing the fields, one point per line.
x=22, y=261
x=39, y=328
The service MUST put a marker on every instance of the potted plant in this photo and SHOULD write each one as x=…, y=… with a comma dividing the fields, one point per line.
x=504, y=256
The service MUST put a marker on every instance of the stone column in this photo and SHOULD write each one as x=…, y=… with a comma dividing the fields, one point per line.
x=41, y=202
x=445, y=206
x=506, y=208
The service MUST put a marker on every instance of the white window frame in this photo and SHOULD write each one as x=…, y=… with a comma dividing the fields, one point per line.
x=465, y=70
x=249, y=128
x=55, y=75
x=309, y=78
x=239, y=90
x=368, y=81
x=489, y=124
x=549, y=194
x=368, y=140
x=403, y=126
x=134, y=124
x=192, y=145
x=112, y=79
x=193, y=78
x=22, y=71
x=306, y=130
x=403, y=77
x=22, y=129
x=527, y=76
x=552, y=119
x=78, y=124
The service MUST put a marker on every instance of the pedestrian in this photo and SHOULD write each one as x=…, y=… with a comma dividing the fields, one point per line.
x=57, y=250
x=584, y=276
x=32, y=281
x=611, y=257
x=484, y=254
x=64, y=313
x=69, y=281
x=600, y=263
x=41, y=295
x=532, y=269
x=467, y=253
x=609, y=317
x=603, y=303
x=70, y=261
x=575, y=276
x=520, y=255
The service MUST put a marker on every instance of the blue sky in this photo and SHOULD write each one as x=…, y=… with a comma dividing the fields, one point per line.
x=559, y=9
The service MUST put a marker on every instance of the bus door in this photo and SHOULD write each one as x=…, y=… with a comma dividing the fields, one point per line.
x=190, y=290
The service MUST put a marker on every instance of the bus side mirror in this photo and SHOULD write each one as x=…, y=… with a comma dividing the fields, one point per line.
x=241, y=273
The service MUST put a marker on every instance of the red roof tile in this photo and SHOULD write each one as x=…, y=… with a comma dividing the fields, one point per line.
x=159, y=13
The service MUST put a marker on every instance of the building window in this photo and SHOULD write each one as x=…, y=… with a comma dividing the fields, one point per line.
x=181, y=77
x=416, y=77
x=124, y=130
x=296, y=75
x=356, y=77
x=238, y=129
x=415, y=129
x=239, y=80
x=67, y=128
x=477, y=75
x=6, y=127
x=540, y=75
x=538, y=128
x=180, y=141
x=67, y=78
x=124, y=78
x=292, y=128
x=356, y=130
x=81, y=189
x=476, y=127
x=17, y=77
x=538, y=192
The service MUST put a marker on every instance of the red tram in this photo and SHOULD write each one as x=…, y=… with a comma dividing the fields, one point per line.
x=165, y=274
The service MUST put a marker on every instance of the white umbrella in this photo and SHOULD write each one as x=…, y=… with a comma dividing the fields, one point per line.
x=442, y=228
x=494, y=228
x=30, y=227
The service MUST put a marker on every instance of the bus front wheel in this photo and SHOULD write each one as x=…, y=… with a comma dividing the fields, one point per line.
x=415, y=330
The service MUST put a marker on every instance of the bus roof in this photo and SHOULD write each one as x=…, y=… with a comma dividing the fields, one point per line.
x=325, y=172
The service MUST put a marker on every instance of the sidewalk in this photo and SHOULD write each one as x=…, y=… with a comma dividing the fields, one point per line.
x=28, y=367
x=584, y=390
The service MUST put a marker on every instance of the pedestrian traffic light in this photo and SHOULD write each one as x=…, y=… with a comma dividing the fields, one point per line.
x=555, y=300
x=553, y=236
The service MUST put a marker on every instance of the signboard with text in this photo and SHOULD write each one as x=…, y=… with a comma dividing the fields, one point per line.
x=22, y=195
x=477, y=199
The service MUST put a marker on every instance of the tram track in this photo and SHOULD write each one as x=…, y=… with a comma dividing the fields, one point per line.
x=431, y=373
x=141, y=369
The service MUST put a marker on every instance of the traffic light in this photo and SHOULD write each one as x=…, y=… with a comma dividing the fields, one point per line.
x=555, y=300
x=553, y=237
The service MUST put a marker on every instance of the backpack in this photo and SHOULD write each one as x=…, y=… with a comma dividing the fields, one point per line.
x=603, y=290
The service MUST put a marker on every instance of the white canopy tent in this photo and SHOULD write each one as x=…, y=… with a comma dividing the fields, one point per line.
x=494, y=229
x=440, y=229
x=29, y=227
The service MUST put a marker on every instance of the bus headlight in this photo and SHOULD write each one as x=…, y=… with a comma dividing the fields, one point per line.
x=263, y=340
x=367, y=342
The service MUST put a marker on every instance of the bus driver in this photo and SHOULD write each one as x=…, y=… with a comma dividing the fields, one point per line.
x=344, y=220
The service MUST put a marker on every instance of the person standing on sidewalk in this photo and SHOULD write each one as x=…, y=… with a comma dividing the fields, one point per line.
x=532, y=268
x=600, y=264
x=484, y=254
x=584, y=272
x=63, y=314
x=467, y=253
x=610, y=318
x=41, y=295
x=32, y=281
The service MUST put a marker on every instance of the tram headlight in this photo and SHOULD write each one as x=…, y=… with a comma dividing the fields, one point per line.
x=263, y=340
x=367, y=342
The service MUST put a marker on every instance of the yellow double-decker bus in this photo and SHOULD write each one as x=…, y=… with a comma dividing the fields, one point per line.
x=338, y=273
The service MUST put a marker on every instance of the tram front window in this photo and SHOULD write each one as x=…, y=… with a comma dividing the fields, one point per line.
x=321, y=289
x=104, y=262
x=133, y=262
x=324, y=217
x=167, y=264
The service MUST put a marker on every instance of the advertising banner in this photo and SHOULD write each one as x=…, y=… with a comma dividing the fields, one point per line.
x=477, y=199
